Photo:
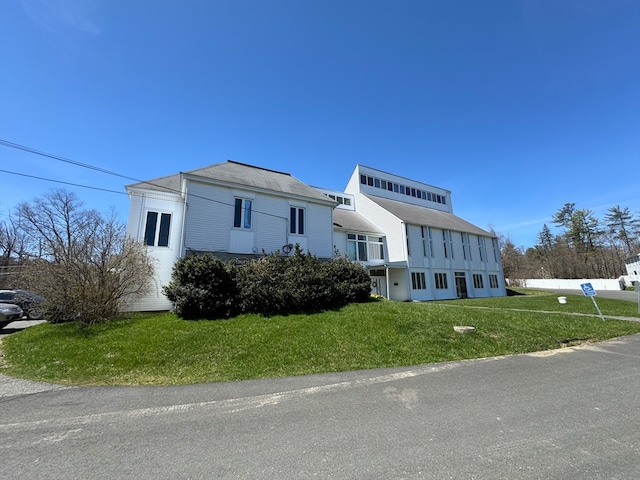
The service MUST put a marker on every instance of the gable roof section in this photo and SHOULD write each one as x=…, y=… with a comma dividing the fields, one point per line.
x=240, y=175
x=350, y=220
x=416, y=215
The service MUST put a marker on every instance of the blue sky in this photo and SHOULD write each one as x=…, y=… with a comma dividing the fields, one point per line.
x=517, y=107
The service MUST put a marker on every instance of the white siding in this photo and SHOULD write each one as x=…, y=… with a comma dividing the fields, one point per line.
x=340, y=242
x=163, y=257
x=387, y=223
x=319, y=230
x=209, y=217
x=272, y=229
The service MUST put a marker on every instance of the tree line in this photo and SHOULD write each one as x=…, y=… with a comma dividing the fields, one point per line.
x=586, y=247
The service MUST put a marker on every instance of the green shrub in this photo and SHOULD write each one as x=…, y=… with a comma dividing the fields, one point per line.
x=202, y=286
x=350, y=281
x=261, y=285
x=300, y=284
x=205, y=287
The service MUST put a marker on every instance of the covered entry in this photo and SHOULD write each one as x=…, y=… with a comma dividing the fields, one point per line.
x=461, y=285
x=390, y=281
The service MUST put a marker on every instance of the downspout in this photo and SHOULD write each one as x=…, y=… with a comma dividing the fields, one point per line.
x=388, y=279
x=184, y=192
x=406, y=255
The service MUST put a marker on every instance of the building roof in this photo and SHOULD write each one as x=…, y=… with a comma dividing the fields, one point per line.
x=417, y=215
x=241, y=175
x=352, y=221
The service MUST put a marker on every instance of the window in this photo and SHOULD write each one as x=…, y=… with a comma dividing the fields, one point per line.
x=357, y=247
x=363, y=179
x=448, y=245
x=390, y=186
x=370, y=181
x=376, y=182
x=375, y=247
x=406, y=231
x=466, y=246
x=364, y=247
x=496, y=250
x=478, y=281
x=402, y=189
x=396, y=188
x=242, y=213
x=441, y=281
x=296, y=221
x=482, y=248
x=493, y=281
x=427, y=242
x=418, y=281
x=154, y=234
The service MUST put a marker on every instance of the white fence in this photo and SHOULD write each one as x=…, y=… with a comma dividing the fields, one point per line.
x=571, y=284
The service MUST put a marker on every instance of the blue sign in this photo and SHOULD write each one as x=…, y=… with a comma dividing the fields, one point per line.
x=588, y=290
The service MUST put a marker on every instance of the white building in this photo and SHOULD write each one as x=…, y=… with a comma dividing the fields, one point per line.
x=403, y=231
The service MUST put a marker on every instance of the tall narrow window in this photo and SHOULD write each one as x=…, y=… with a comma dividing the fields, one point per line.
x=448, y=244
x=466, y=246
x=296, y=221
x=242, y=213
x=150, y=229
x=496, y=249
x=482, y=249
x=406, y=230
x=163, y=232
x=157, y=234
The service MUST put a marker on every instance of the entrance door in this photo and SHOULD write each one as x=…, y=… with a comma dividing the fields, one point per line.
x=461, y=285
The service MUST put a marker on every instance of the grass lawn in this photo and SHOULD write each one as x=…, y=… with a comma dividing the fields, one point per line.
x=160, y=349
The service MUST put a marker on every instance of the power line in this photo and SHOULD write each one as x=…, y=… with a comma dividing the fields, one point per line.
x=62, y=159
x=109, y=172
x=64, y=183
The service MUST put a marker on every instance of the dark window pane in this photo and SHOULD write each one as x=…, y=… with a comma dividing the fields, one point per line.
x=163, y=236
x=237, y=216
x=150, y=229
x=301, y=221
x=292, y=220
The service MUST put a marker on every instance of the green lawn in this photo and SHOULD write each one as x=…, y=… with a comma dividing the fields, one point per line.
x=160, y=349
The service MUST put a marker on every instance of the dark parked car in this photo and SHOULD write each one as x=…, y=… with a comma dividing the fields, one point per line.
x=9, y=312
x=29, y=302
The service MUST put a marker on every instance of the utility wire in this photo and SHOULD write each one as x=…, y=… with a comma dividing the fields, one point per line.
x=109, y=172
x=60, y=181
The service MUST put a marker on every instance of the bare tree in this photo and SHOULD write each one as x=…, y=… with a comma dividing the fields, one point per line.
x=84, y=264
x=12, y=251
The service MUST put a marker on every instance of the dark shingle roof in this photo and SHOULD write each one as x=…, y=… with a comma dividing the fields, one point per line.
x=352, y=221
x=239, y=174
x=416, y=215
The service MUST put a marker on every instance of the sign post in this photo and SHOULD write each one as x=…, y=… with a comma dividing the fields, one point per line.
x=589, y=291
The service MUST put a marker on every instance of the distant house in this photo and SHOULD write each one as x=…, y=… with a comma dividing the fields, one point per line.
x=632, y=265
x=401, y=230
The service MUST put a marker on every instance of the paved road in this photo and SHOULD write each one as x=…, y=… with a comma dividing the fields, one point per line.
x=567, y=414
